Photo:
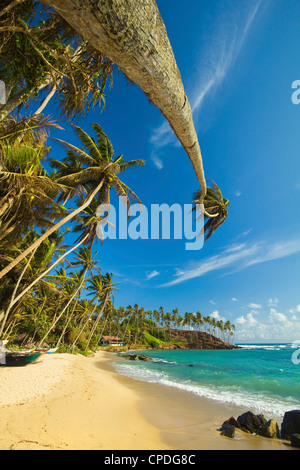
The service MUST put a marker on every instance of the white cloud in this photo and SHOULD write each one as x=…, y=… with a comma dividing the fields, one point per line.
x=277, y=316
x=241, y=320
x=234, y=299
x=238, y=193
x=216, y=315
x=273, y=327
x=295, y=310
x=245, y=257
x=223, y=48
x=251, y=320
x=235, y=247
x=157, y=161
x=273, y=302
x=255, y=306
x=150, y=275
x=212, y=264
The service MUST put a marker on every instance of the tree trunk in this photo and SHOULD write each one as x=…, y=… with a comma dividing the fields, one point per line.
x=51, y=230
x=96, y=322
x=63, y=310
x=132, y=34
x=44, y=273
x=85, y=324
x=12, y=300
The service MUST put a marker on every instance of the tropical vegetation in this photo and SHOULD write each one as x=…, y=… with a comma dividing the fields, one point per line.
x=52, y=288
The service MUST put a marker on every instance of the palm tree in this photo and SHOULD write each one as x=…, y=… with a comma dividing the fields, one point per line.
x=27, y=193
x=142, y=50
x=44, y=55
x=215, y=206
x=102, y=288
x=97, y=175
x=85, y=259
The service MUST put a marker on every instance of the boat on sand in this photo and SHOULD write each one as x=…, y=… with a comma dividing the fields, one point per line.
x=17, y=359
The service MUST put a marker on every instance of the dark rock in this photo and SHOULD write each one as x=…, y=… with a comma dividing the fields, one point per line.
x=233, y=422
x=136, y=357
x=249, y=422
x=290, y=424
x=295, y=440
x=270, y=429
x=228, y=430
x=145, y=358
x=262, y=419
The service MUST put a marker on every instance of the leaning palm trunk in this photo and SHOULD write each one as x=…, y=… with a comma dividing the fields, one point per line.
x=64, y=309
x=51, y=230
x=132, y=34
x=44, y=273
x=12, y=300
x=82, y=329
x=96, y=322
x=68, y=321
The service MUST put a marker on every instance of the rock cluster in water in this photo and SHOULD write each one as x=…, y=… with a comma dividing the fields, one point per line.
x=257, y=424
x=136, y=357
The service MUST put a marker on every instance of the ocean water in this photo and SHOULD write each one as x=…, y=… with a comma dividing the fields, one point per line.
x=261, y=378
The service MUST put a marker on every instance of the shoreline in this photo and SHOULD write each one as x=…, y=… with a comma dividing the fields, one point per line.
x=76, y=403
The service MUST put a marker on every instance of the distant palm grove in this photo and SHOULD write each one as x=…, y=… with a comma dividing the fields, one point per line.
x=52, y=289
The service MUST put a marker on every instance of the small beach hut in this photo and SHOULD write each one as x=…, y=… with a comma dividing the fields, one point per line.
x=111, y=341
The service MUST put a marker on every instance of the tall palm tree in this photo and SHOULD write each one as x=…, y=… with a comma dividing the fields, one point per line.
x=97, y=175
x=102, y=287
x=141, y=49
x=85, y=259
x=27, y=193
x=41, y=54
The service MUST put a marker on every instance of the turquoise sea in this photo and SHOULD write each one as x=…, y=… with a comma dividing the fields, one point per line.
x=264, y=378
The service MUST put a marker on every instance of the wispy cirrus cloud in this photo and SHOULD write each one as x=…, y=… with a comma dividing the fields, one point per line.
x=227, y=39
x=152, y=274
x=247, y=255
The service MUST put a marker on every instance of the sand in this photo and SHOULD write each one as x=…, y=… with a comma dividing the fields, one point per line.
x=70, y=402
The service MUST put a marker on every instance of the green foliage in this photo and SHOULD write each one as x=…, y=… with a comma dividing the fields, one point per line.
x=151, y=340
x=216, y=207
x=161, y=335
x=39, y=49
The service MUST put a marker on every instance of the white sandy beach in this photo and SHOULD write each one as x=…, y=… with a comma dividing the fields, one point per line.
x=72, y=402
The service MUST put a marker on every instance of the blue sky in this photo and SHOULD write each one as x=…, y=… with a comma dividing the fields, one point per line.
x=238, y=61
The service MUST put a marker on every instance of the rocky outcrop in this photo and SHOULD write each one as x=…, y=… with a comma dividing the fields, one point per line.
x=295, y=440
x=228, y=430
x=257, y=424
x=251, y=423
x=270, y=430
x=290, y=424
x=137, y=357
x=187, y=339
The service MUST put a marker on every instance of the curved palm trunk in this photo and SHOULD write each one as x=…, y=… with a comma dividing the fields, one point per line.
x=12, y=300
x=84, y=325
x=64, y=309
x=97, y=321
x=51, y=230
x=132, y=34
x=44, y=273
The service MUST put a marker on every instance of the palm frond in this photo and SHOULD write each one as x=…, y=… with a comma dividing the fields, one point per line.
x=103, y=143
x=215, y=206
